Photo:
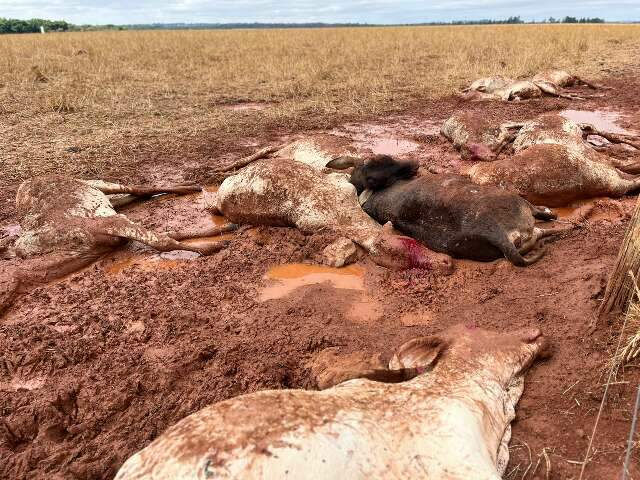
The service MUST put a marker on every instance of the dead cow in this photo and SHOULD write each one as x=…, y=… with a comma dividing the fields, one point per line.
x=448, y=213
x=546, y=83
x=476, y=137
x=317, y=150
x=453, y=421
x=68, y=223
x=554, y=165
x=283, y=192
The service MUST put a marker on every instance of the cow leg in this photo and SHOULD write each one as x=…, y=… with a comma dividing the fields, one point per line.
x=123, y=200
x=631, y=168
x=513, y=254
x=206, y=232
x=121, y=226
x=631, y=140
x=543, y=213
x=590, y=84
x=110, y=188
x=554, y=91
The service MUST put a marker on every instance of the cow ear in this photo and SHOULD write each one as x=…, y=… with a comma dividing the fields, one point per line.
x=421, y=352
x=387, y=227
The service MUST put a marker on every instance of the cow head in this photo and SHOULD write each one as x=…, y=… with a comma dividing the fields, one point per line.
x=464, y=350
x=400, y=253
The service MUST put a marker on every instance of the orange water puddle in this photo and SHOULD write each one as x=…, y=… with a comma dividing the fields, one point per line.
x=594, y=209
x=287, y=278
x=163, y=261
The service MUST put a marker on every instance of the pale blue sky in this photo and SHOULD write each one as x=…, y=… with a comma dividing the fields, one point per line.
x=361, y=11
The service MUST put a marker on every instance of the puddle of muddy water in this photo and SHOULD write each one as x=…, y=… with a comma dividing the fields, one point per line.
x=601, y=119
x=594, y=210
x=378, y=139
x=287, y=278
x=17, y=384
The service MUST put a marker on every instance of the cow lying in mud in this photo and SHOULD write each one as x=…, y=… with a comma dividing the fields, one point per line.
x=553, y=164
x=476, y=137
x=66, y=224
x=546, y=83
x=448, y=213
x=452, y=421
x=284, y=192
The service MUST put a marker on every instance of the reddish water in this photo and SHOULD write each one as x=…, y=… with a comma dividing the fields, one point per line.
x=162, y=261
x=288, y=277
x=593, y=210
x=602, y=120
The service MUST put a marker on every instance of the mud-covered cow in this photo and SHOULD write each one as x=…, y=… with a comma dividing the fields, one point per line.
x=68, y=223
x=287, y=193
x=448, y=213
x=554, y=165
x=476, y=137
x=549, y=83
x=452, y=421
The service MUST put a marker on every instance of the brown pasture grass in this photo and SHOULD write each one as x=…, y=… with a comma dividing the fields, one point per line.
x=84, y=103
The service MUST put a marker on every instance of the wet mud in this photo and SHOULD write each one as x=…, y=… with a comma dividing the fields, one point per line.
x=97, y=365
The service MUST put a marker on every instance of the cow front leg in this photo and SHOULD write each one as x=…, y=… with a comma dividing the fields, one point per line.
x=121, y=226
x=110, y=188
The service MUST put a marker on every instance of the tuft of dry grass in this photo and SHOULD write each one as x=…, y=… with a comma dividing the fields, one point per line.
x=630, y=349
x=112, y=96
x=621, y=287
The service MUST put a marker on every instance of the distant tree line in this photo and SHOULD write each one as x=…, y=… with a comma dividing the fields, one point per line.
x=9, y=25
x=12, y=25
x=575, y=20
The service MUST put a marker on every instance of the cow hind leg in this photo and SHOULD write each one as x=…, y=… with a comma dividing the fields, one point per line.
x=122, y=227
x=110, y=188
x=543, y=213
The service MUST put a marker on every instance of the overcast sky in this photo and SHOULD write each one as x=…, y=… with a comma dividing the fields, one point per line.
x=361, y=11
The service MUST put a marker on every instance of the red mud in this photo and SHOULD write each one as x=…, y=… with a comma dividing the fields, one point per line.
x=94, y=367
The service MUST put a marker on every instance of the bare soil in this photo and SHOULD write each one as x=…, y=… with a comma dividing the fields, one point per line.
x=95, y=366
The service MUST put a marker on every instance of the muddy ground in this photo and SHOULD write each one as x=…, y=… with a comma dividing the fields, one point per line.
x=95, y=366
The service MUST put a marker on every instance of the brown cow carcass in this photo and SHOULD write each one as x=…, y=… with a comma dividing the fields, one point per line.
x=554, y=165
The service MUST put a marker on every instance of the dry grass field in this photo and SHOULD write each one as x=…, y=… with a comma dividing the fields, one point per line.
x=96, y=365
x=92, y=103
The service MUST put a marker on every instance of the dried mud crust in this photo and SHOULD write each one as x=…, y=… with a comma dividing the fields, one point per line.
x=94, y=367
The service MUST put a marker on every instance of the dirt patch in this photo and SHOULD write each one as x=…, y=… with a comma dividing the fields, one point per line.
x=94, y=367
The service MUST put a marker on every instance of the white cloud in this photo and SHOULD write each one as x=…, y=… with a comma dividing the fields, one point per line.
x=362, y=11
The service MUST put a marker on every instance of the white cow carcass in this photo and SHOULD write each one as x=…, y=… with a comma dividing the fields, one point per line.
x=450, y=422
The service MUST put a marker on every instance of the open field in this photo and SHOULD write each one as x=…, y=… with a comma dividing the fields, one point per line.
x=96, y=365
x=103, y=101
